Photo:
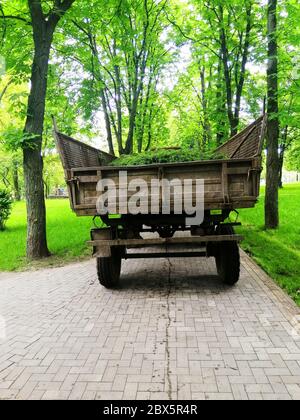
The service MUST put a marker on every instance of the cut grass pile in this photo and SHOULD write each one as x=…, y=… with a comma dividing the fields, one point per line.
x=165, y=156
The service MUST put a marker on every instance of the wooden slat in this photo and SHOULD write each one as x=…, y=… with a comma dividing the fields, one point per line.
x=243, y=141
x=246, y=143
x=235, y=204
x=159, y=241
x=225, y=183
x=207, y=163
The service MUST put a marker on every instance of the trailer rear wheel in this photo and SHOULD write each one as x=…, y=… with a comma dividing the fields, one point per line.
x=228, y=259
x=109, y=269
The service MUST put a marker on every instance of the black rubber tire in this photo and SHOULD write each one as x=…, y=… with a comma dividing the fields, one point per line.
x=109, y=269
x=228, y=259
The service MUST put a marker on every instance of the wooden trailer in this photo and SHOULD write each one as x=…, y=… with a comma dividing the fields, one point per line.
x=229, y=184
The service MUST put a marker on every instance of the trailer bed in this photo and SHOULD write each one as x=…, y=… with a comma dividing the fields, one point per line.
x=228, y=184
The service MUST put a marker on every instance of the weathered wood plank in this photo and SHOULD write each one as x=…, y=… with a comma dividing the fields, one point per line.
x=159, y=241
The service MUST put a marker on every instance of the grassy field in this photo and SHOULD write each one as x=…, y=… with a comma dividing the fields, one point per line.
x=278, y=251
x=66, y=236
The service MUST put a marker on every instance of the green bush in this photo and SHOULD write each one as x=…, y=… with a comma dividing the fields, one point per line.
x=165, y=156
x=5, y=207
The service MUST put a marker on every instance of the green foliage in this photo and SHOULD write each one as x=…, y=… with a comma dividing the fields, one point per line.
x=15, y=139
x=165, y=156
x=293, y=158
x=5, y=207
x=53, y=173
x=119, y=56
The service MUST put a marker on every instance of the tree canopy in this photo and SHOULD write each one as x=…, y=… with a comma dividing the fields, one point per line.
x=130, y=75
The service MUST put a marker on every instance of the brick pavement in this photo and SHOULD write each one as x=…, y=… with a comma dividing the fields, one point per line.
x=171, y=331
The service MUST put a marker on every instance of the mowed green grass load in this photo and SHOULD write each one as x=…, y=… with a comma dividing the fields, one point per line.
x=66, y=234
x=277, y=252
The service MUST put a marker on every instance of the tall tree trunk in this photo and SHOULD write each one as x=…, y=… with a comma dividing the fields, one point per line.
x=280, y=163
x=226, y=69
x=16, y=180
x=144, y=107
x=97, y=74
x=32, y=159
x=206, y=123
x=47, y=187
x=132, y=117
x=241, y=78
x=227, y=77
x=2, y=93
x=221, y=105
x=149, y=127
x=284, y=144
x=140, y=67
x=240, y=68
x=118, y=102
x=271, y=200
x=139, y=128
x=107, y=124
x=43, y=28
x=282, y=148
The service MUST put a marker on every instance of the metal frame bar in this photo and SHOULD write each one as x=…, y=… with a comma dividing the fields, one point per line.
x=164, y=255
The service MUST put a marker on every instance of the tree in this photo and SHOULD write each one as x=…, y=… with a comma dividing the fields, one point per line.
x=271, y=199
x=44, y=18
x=289, y=98
x=225, y=34
x=228, y=17
x=119, y=48
x=293, y=157
x=15, y=173
x=53, y=173
x=5, y=207
x=12, y=102
x=43, y=25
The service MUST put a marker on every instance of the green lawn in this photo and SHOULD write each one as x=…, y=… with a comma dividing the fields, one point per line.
x=278, y=251
x=66, y=233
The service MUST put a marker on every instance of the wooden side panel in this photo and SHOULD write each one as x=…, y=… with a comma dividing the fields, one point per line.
x=247, y=143
x=227, y=184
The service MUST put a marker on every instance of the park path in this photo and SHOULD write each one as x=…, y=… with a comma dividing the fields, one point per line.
x=172, y=331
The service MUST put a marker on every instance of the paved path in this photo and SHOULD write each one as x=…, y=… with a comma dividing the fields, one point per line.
x=171, y=331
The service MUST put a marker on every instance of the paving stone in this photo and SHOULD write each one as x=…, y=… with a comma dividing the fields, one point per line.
x=171, y=331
